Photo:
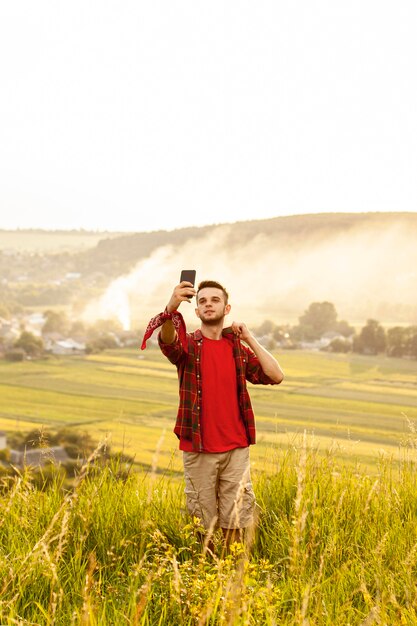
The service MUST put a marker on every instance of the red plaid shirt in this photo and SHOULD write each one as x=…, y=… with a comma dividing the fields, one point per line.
x=185, y=354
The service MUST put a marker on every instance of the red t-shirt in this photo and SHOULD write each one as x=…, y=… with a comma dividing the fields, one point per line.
x=222, y=427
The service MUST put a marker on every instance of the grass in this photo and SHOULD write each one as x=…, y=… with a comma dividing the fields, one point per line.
x=334, y=546
x=334, y=472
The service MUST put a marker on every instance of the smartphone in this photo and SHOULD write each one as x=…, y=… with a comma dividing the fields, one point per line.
x=189, y=276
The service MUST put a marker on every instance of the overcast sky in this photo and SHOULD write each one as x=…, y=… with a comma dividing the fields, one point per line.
x=161, y=114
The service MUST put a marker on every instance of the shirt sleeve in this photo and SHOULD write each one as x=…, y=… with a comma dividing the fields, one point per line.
x=254, y=372
x=173, y=351
x=158, y=320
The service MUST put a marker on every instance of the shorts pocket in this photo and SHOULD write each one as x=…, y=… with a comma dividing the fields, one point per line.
x=193, y=503
x=247, y=505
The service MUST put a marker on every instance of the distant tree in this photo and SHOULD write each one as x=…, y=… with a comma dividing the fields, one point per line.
x=266, y=328
x=280, y=333
x=319, y=318
x=77, y=328
x=104, y=327
x=371, y=339
x=339, y=345
x=397, y=340
x=56, y=322
x=77, y=444
x=344, y=328
x=412, y=342
x=105, y=342
x=15, y=355
x=32, y=345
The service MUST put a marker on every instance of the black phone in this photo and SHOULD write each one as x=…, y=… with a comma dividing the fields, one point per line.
x=189, y=276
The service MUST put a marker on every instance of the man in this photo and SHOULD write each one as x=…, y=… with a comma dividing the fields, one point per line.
x=215, y=422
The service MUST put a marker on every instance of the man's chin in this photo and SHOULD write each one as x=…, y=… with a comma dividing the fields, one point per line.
x=212, y=321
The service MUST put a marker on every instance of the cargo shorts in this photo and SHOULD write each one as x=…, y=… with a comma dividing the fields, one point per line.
x=218, y=488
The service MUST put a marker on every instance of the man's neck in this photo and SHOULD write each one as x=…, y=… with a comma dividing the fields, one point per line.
x=212, y=332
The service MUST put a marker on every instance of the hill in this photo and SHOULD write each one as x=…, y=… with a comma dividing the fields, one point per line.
x=130, y=248
x=365, y=263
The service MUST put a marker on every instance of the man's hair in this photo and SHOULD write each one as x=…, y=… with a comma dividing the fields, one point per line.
x=213, y=283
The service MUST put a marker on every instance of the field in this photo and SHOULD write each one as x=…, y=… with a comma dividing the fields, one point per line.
x=360, y=407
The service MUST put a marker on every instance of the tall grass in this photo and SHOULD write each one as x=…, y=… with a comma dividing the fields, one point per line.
x=333, y=546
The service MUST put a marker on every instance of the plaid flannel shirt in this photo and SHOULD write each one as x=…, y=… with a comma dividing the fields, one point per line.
x=185, y=354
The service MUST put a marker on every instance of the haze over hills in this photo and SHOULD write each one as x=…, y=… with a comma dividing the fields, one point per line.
x=366, y=264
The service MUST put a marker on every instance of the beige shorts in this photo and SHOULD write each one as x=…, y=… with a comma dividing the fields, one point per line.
x=218, y=488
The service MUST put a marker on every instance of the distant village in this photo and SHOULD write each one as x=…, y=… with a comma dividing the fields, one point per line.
x=38, y=334
x=31, y=335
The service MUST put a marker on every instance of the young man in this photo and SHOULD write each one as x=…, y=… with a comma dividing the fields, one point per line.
x=215, y=422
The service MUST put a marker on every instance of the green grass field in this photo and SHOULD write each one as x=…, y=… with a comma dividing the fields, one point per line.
x=336, y=540
x=359, y=406
x=331, y=548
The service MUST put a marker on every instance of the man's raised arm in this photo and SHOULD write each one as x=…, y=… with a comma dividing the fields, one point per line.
x=182, y=293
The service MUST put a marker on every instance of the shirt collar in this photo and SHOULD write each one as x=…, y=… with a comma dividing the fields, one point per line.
x=226, y=332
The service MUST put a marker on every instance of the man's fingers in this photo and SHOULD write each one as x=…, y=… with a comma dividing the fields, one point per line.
x=185, y=290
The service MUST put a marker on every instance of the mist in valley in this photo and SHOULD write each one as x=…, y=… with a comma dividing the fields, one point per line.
x=365, y=273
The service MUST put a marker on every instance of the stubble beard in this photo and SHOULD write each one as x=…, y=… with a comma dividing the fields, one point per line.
x=212, y=321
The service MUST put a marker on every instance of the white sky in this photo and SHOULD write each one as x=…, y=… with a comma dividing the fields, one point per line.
x=112, y=112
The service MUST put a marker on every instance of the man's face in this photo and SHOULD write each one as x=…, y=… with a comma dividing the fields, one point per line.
x=211, y=305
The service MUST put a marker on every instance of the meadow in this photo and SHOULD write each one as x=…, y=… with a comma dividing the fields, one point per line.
x=332, y=547
x=334, y=472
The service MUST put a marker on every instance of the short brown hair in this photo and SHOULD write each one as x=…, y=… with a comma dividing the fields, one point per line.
x=216, y=285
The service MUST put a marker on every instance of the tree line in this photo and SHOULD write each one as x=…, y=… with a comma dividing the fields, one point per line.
x=321, y=320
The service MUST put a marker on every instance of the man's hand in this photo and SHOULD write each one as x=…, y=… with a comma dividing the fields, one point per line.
x=241, y=330
x=268, y=362
x=182, y=293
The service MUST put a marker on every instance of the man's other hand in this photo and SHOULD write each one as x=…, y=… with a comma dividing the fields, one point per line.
x=241, y=330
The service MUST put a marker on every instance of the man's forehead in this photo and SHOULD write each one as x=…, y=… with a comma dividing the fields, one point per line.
x=210, y=292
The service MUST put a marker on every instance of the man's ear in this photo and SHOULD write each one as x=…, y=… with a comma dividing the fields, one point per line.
x=196, y=312
x=227, y=309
